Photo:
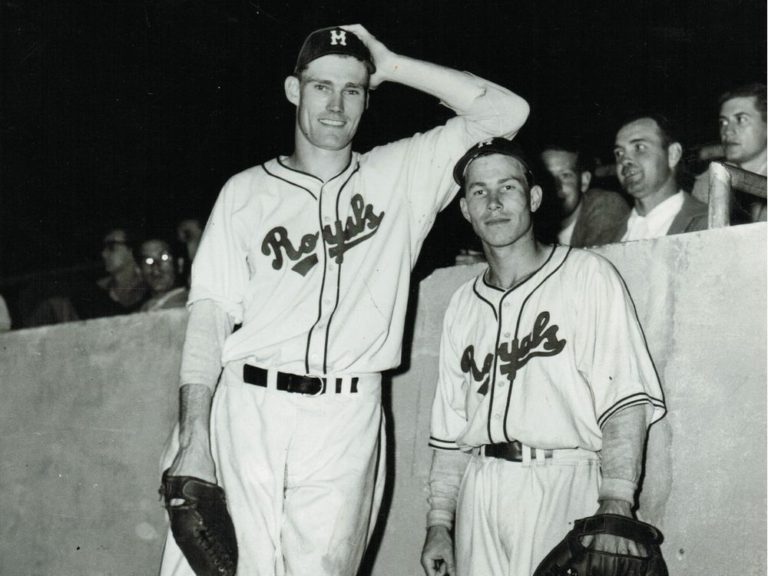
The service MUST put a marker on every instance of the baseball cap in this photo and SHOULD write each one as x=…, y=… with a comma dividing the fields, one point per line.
x=333, y=40
x=492, y=146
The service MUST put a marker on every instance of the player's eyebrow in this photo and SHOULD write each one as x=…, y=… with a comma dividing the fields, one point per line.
x=518, y=179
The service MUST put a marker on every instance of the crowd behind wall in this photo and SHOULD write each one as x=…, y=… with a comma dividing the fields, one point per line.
x=142, y=271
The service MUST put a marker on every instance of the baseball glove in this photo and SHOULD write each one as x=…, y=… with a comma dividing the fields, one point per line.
x=570, y=558
x=201, y=524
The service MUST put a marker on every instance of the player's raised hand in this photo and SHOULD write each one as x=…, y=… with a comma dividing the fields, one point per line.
x=437, y=555
x=381, y=54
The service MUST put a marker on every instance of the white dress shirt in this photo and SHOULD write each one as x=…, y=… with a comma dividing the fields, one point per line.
x=656, y=223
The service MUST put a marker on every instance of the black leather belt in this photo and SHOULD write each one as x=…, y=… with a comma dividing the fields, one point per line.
x=512, y=451
x=311, y=385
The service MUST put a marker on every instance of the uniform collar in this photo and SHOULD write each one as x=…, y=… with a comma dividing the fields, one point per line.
x=494, y=295
x=279, y=167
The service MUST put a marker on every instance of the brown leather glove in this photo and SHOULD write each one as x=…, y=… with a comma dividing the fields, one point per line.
x=570, y=558
x=201, y=524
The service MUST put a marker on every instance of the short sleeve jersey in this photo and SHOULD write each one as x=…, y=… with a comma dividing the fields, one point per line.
x=318, y=272
x=546, y=362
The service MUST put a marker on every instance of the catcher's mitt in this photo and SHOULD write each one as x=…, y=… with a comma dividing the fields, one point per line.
x=201, y=524
x=570, y=558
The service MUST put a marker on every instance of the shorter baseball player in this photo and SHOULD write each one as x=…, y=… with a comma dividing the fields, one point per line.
x=545, y=392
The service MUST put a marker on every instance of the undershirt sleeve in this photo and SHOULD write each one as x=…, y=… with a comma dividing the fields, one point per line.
x=207, y=328
x=444, y=482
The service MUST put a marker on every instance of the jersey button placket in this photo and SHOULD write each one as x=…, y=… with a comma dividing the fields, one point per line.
x=330, y=277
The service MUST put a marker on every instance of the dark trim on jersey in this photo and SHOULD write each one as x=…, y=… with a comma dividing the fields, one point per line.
x=635, y=399
x=264, y=166
x=642, y=332
x=441, y=444
x=474, y=289
x=338, y=274
x=349, y=163
x=517, y=325
x=492, y=383
x=322, y=288
x=524, y=282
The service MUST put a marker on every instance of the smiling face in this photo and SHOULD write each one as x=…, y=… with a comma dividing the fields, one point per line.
x=645, y=166
x=571, y=183
x=330, y=96
x=742, y=130
x=497, y=201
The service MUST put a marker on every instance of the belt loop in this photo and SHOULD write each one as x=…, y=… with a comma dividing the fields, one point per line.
x=540, y=455
x=526, y=453
x=272, y=379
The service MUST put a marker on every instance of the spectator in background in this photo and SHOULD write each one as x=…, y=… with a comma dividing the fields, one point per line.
x=743, y=136
x=158, y=268
x=188, y=233
x=123, y=290
x=647, y=157
x=587, y=217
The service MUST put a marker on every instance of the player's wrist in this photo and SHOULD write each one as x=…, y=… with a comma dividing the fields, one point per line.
x=439, y=519
x=617, y=489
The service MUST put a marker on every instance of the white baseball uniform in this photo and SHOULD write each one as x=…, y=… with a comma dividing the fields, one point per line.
x=318, y=275
x=545, y=363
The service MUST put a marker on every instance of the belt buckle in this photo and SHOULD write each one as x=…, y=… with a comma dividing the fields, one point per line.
x=321, y=385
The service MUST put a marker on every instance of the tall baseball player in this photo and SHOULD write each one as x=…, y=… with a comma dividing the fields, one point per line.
x=311, y=253
x=545, y=389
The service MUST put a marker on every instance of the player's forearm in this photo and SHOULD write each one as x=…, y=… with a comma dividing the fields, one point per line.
x=622, y=454
x=194, y=416
x=207, y=329
x=463, y=92
x=444, y=482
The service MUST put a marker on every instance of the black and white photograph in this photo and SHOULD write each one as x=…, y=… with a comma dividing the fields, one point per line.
x=337, y=288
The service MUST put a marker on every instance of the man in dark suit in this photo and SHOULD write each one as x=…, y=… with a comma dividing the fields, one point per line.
x=587, y=216
x=647, y=159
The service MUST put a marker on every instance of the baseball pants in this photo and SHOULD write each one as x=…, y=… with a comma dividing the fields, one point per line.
x=511, y=514
x=303, y=476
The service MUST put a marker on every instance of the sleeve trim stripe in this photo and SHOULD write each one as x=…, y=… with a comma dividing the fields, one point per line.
x=632, y=400
x=442, y=444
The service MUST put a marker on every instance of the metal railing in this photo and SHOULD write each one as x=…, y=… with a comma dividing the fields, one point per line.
x=723, y=180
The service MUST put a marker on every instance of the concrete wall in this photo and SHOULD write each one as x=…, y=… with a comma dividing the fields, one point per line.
x=87, y=408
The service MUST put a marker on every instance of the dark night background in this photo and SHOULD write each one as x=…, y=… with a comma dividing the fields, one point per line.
x=138, y=111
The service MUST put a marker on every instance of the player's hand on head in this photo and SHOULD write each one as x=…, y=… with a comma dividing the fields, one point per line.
x=437, y=554
x=379, y=52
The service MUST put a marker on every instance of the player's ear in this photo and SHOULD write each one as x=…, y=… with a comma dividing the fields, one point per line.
x=292, y=90
x=536, y=195
x=586, y=179
x=674, y=154
x=463, y=206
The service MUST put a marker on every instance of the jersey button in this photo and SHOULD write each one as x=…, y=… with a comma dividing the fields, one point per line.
x=507, y=334
x=500, y=384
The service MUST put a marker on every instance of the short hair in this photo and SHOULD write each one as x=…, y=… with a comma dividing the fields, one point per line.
x=754, y=90
x=667, y=129
x=583, y=162
x=133, y=236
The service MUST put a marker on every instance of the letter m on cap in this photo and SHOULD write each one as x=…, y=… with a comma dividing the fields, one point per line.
x=338, y=37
